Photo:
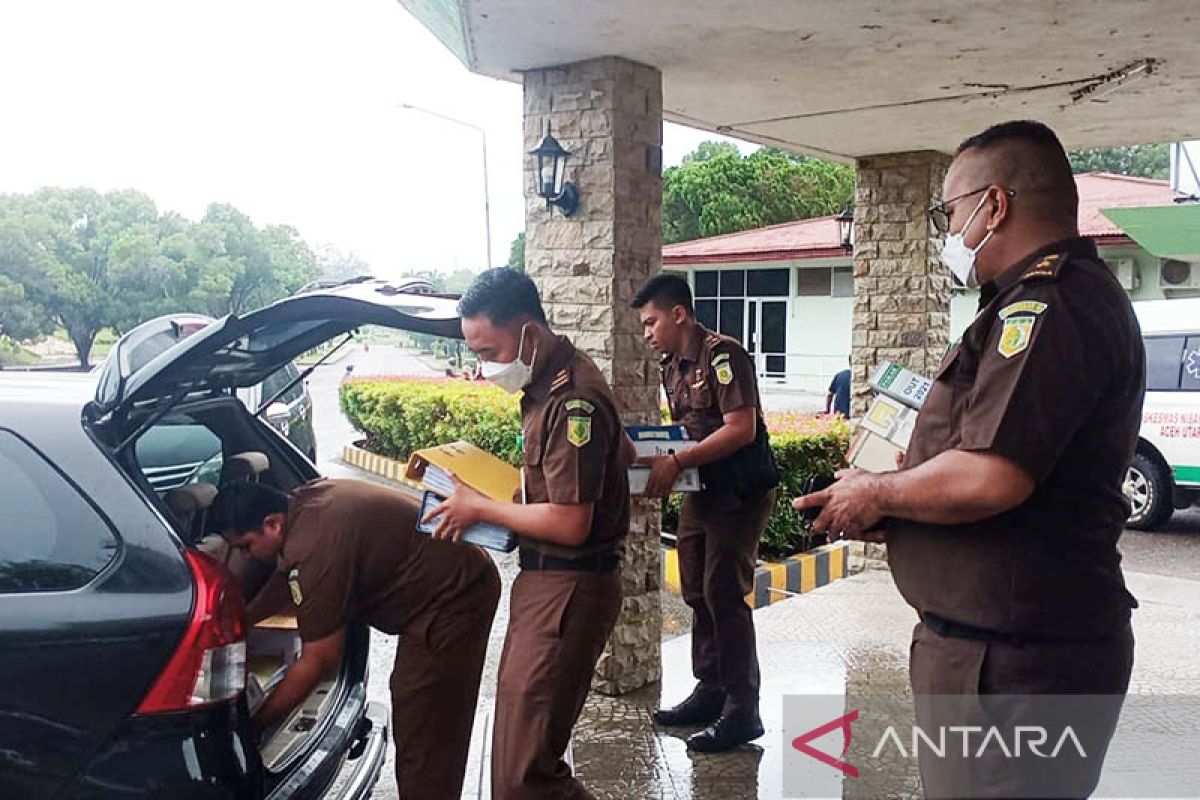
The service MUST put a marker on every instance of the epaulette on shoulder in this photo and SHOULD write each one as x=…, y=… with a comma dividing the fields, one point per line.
x=1045, y=267
x=712, y=340
x=561, y=381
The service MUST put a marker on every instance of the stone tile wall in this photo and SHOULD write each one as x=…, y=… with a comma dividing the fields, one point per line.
x=901, y=290
x=608, y=113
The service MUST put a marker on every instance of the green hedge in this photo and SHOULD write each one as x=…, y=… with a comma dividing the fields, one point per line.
x=399, y=416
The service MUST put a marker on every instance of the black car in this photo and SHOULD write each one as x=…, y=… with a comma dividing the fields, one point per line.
x=125, y=654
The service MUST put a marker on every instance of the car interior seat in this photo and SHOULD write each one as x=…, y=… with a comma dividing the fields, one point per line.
x=189, y=509
x=247, y=466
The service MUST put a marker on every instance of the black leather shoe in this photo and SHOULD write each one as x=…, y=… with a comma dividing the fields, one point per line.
x=726, y=733
x=702, y=707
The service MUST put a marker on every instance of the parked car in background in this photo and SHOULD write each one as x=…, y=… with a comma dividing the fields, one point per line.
x=1165, y=473
x=125, y=651
x=170, y=461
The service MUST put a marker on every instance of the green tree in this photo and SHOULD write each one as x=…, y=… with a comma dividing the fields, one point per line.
x=1139, y=160
x=85, y=261
x=516, y=253
x=717, y=190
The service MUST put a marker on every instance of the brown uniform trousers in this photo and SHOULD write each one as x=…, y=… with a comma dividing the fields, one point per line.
x=435, y=687
x=954, y=680
x=558, y=624
x=717, y=554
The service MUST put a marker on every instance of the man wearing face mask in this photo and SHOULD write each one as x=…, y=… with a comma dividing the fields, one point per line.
x=1002, y=527
x=571, y=525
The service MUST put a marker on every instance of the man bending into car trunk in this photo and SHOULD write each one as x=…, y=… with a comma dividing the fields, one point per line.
x=349, y=551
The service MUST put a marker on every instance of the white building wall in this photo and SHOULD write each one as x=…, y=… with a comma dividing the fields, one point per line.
x=819, y=328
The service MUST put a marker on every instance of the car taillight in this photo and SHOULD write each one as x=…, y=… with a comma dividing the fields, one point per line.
x=209, y=665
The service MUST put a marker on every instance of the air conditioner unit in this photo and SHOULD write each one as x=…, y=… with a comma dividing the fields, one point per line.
x=1126, y=273
x=1179, y=275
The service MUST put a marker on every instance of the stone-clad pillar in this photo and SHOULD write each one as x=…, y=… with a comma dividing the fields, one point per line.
x=608, y=113
x=901, y=290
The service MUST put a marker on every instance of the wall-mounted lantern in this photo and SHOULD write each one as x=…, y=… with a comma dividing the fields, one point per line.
x=550, y=165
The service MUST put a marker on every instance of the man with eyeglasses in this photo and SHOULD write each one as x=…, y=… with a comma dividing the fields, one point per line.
x=1002, y=526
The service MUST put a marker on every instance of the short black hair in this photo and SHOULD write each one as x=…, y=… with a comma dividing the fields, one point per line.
x=1037, y=160
x=665, y=291
x=502, y=295
x=242, y=506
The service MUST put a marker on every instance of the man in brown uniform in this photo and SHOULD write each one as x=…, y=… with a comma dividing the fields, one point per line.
x=1004, y=522
x=349, y=551
x=713, y=392
x=571, y=527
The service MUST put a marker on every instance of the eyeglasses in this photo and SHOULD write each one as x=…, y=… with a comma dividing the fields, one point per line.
x=939, y=213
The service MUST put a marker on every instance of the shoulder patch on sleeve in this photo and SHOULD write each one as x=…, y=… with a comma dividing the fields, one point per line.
x=1023, y=307
x=1046, y=267
x=579, y=430
x=1016, y=335
x=719, y=357
x=294, y=584
x=724, y=372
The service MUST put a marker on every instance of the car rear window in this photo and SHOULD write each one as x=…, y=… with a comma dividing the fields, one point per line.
x=51, y=538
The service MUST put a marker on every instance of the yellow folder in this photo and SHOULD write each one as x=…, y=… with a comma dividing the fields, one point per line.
x=477, y=468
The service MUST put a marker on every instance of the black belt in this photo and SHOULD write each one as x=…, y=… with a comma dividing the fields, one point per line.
x=603, y=562
x=960, y=630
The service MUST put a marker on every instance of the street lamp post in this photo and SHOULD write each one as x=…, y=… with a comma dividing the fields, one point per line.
x=487, y=197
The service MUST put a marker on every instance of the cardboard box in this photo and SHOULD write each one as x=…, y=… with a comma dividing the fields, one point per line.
x=479, y=469
x=661, y=440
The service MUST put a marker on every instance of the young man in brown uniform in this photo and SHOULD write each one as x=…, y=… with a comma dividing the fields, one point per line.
x=1004, y=522
x=712, y=390
x=572, y=525
x=349, y=551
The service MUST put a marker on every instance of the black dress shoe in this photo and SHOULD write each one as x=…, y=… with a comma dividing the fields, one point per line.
x=702, y=707
x=726, y=733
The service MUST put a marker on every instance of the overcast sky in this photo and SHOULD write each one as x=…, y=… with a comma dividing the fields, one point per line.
x=289, y=109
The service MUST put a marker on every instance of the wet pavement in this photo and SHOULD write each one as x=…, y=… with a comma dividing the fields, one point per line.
x=852, y=635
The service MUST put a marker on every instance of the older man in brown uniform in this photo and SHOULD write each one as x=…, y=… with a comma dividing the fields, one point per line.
x=712, y=391
x=349, y=551
x=571, y=525
x=1004, y=522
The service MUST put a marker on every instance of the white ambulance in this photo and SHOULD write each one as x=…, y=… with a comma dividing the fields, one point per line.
x=1165, y=473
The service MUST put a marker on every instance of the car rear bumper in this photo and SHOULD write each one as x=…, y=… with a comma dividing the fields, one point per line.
x=359, y=776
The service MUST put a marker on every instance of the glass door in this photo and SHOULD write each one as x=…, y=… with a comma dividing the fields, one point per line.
x=766, y=336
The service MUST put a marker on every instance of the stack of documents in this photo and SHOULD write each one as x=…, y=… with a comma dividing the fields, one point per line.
x=661, y=440
x=479, y=469
x=885, y=430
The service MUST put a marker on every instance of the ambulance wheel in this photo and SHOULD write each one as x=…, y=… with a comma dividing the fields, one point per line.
x=1148, y=490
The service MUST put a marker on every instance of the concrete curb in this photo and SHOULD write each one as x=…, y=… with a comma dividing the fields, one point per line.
x=381, y=466
x=775, y=581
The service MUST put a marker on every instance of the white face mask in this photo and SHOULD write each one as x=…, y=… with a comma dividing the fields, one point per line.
x=513, y=376
x=959, y=258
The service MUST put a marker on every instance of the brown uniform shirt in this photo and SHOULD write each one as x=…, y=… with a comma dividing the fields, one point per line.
x=351, y=552
x=711, y=377
x=1050, y=375
x=572, y=449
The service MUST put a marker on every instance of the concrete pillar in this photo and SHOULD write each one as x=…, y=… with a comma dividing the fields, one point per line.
x=608, y=113
x=901, y=290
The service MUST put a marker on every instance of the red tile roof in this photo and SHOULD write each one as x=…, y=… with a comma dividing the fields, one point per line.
x=818, y=237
